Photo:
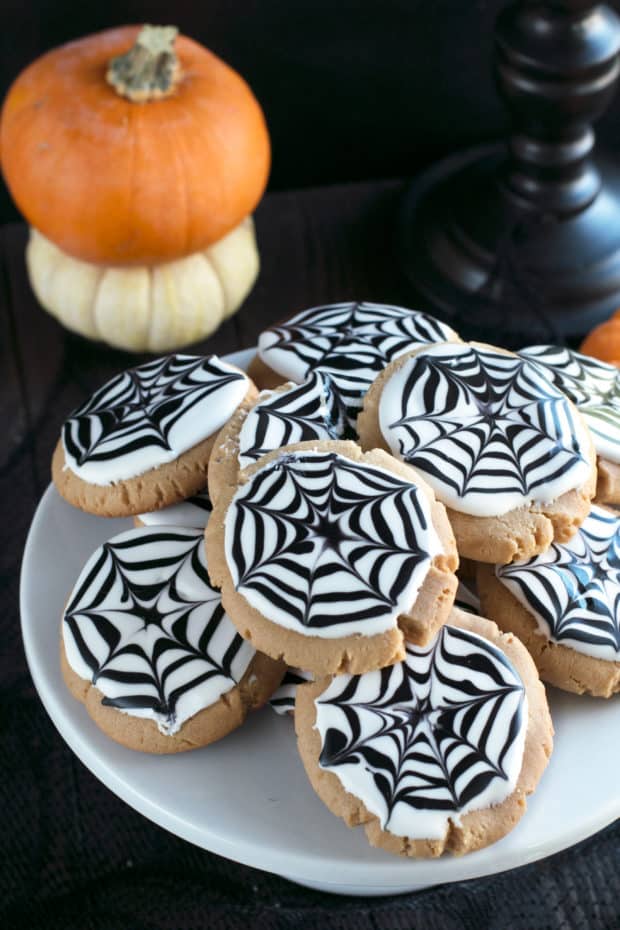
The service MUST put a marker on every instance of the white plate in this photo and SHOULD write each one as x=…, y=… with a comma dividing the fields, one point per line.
x=248, y=798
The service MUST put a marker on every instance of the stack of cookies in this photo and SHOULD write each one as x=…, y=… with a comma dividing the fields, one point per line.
x=336, y=504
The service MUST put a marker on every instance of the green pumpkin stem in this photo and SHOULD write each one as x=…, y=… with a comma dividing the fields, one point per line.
x=150, y=69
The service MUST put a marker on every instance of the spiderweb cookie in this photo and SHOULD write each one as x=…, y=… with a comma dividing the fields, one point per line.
x=147, y=647
x=350, y=342
x=505, y=450
x=291, y=413
x=594, y=388
x=143, y=440
x=328, y=557
x=437, y=752
x=564, y=605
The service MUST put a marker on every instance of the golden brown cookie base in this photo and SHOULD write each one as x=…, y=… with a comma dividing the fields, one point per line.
x=157, y=488
x=524, y=532
x=477, y=828
x=260, y=680
x=608, y=483
x=355, y=653
x=557, y=664
x=518, y=534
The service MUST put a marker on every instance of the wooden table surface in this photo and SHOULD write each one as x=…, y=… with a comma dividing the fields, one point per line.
x=67, y=846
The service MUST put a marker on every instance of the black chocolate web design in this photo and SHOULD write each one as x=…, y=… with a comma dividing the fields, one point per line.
x=311, y=410
x=324, y=540
x=145, y=619
x=352, y=342
x=140, y=407
x=592, y=385
x=575, y=587
x=480, y=422
x=438, y=730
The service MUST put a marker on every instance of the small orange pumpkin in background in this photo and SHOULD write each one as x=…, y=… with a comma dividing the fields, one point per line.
x=137, y=157
x=604, y=341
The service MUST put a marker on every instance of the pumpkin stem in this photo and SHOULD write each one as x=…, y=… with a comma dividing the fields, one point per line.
x=150, y=69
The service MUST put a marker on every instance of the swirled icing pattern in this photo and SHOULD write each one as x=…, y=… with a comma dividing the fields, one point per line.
x=326, y=546
x=311, y=410
x=145, y=626
x=573, y=589
x=352, y=342
x=195, y=511
x=149, y=415
x=429, y=739
x=488, y=430
x=592, y=385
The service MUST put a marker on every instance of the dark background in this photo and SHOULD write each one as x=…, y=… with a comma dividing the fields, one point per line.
x=351, y=89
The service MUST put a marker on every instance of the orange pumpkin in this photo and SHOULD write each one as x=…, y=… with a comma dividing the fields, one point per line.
x=137, y=181
x=604, y=341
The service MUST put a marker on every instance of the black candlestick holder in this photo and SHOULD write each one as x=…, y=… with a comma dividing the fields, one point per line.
x=520, y=242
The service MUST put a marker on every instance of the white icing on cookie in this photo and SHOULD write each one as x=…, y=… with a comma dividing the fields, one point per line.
x=149, y=415
x=329, y=547
x=311, y=410
x=573, y=589
x=145, y=626
x=351, y=342
x=592, y=385
x=428, y=739
x=195, y=511
x=488, y=430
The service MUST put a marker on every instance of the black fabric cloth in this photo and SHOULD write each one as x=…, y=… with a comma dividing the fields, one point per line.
x=72, y=855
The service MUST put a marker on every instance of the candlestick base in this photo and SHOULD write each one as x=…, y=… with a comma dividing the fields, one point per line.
x=497, y=269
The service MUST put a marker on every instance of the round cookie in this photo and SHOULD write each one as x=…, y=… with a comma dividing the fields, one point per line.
x=147, y=647
x=143, y=440
x=594, y=388
x=329, y=558
x=195, y=511
x=504, y=450
x=436, y=753
x=564, y=605
x=292, y=413
x=351, y=342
